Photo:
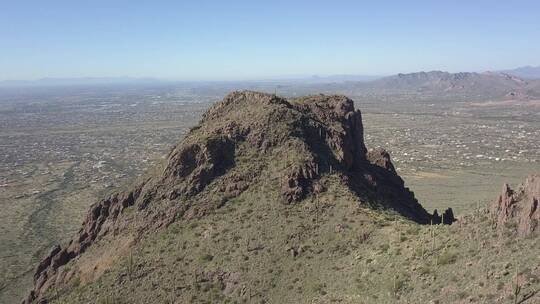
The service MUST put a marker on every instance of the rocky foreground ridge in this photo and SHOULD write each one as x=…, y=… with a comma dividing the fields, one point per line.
x=247, y=139
x=518, y=208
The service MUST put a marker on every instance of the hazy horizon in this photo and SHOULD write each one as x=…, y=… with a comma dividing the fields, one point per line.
x=241, y=40
x=269, y=78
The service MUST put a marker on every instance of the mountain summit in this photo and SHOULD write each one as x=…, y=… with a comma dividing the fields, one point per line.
x=253, y=156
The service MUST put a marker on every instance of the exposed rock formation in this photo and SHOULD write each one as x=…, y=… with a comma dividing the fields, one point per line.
x=519, y=208
x=381, y=158
x=447, y=218
x=247, y=138
x=99, y=221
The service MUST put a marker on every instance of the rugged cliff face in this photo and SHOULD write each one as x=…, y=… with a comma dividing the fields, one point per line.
x=518, y=208
x=247, y=140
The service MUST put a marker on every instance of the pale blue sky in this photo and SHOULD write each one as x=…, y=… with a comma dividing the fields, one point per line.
x=258, y=39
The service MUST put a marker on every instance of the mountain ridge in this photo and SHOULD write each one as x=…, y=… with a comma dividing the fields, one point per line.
x=469, y=84
x=249, y=140
x=526, y=72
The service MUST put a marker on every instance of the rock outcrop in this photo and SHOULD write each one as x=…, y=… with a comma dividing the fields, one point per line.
x=247, y=138
x=518, y=209
x=100, y=220
x=447, y=218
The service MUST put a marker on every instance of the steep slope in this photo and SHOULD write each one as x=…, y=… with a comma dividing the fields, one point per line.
x=253, y=156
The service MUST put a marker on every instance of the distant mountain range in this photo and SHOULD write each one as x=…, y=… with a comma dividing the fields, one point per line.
x=439, y=85
x=82, y=81
x=340, y=78
x=433, y=85
x=526, y=72
x=85, y=81
x=444, y=81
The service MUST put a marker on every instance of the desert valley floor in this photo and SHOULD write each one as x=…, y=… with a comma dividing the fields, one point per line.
x=60, y=152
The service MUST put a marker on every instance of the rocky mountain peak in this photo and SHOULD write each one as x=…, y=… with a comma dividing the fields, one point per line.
x=247, y=141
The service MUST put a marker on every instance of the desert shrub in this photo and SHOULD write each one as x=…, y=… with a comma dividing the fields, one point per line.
x=413, y=230
x=462, y=295
x=207, y=257
x=424, y=270
x=112, y=300
x=396, y=285
x=384, y=247
x=447, y=257
x=319, y=288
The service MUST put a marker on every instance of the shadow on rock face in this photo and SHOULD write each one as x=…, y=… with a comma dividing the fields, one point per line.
x=242, y=141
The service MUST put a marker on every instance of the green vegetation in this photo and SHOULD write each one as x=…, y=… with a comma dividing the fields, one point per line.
x=301, y=258
x=253, y=246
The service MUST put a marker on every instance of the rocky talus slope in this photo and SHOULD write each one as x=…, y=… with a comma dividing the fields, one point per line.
x=518, y=208
x=257, y=156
